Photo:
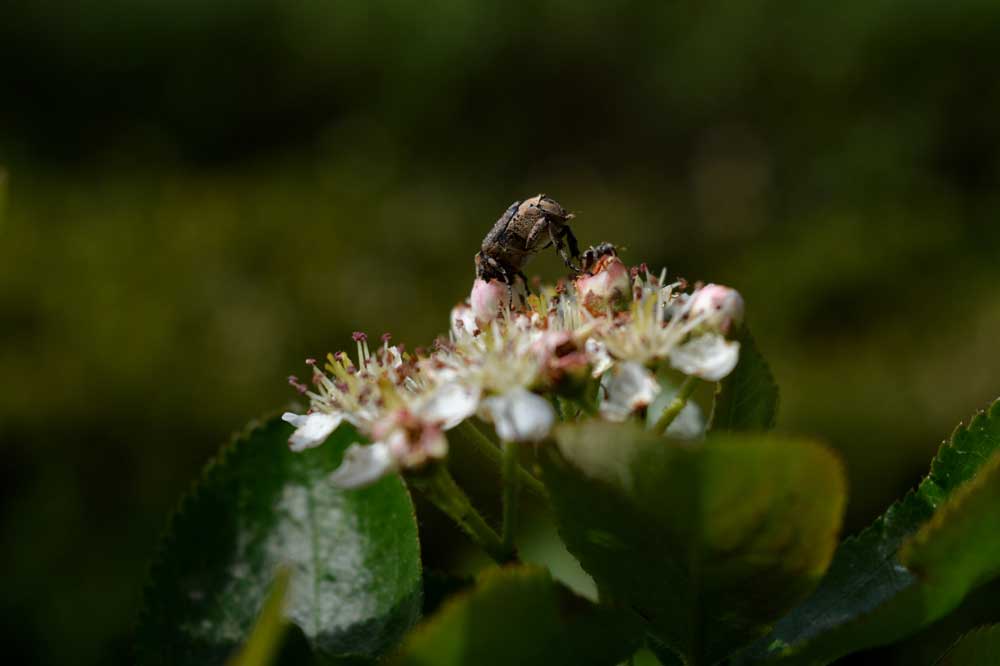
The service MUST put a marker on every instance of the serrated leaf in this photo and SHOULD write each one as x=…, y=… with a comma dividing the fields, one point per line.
x=710, y=542
x=979, y=647
x=353, y=555
x=519, y=615
x=869, y=597
x=746, y=400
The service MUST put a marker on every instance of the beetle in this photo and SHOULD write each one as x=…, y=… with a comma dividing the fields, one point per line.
x=525, y=228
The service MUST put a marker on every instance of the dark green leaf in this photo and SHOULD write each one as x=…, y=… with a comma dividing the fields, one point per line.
x=353, y=555
x=869, y=597
x=980, y=647
x=519, y=615
x=747, y=399
x=664, y=654
x=710, y=542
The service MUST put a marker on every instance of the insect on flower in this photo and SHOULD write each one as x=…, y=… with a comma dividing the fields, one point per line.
x=525, y=228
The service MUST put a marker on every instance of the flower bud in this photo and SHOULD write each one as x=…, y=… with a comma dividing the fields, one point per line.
x=605, y=283
x=719, y=308
x=489, y=300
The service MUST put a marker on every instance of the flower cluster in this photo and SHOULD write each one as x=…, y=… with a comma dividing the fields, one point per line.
x=521, y=362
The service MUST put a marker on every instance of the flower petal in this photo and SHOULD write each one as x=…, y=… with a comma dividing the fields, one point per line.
x=450, y=404
x=628, y=387
x=709, y=356
x=463, y=320
x=688, y=424
x=597, y=354
x=519, y=415
x=311, y=430
x=363, y=465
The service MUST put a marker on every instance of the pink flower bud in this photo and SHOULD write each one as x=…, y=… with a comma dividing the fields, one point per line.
x=489, y=300
x=606, y=285
x=719, y=308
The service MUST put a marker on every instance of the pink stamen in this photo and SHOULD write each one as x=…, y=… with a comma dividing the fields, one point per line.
x=294, y=382
x=359, y=336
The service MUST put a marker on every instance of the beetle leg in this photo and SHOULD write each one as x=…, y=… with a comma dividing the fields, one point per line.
x=558, y=242
x=574, y=248
x=506, y=278
x=524, y=279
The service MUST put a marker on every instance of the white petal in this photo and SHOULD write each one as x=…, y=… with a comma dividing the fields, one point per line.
x=628, y=387
x=463, y=320
x=363, y=465
x=688, y=424
x=310, y=429
x=597, y=354
x=520, y=416
x=709, y=356
x=450, y=404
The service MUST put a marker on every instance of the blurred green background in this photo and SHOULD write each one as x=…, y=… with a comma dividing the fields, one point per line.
x=201, y=193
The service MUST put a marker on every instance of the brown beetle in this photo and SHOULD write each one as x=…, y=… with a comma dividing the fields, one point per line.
x=525, y=228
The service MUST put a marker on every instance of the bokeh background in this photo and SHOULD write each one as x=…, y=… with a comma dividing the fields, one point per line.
x=198, y=194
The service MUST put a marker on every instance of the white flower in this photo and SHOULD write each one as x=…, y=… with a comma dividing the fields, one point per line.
x=519, y=415
x=708, y=356
x=450, y=404
x=654, y=325
x=628, y=388
x=311, y=430
x=363, y=465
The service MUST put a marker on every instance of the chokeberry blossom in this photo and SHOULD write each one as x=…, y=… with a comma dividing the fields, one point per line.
x=588, y=348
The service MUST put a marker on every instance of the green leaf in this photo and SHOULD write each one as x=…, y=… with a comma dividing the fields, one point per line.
x=979, y=647
x=746, y=400
x=519, y=615
x=355, y=584
x=869, y=597
x=710, y=542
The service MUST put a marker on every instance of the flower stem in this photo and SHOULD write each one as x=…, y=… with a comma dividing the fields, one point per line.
x=676, y=405
x=491, y=452
x=440, y=488
x=511, y=489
